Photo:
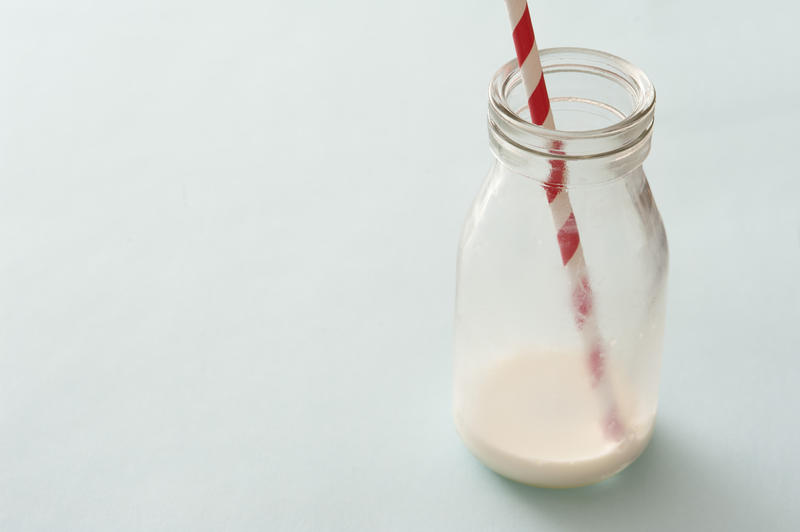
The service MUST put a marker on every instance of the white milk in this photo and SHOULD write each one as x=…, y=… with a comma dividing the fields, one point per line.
x=535, y=418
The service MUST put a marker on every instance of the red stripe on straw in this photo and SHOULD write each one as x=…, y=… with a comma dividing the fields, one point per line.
x=539, y=103
x=555, y=180
x=596, y=364
x=523, y=36
x=582, y=301
x=568, y=238
x=613, y=426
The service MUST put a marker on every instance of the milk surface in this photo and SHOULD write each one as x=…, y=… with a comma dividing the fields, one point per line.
x=535, y=418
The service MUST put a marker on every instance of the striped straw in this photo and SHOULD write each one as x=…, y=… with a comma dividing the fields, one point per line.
x=569, y=241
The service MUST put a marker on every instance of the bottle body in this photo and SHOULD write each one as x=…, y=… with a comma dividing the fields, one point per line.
x=546, y=351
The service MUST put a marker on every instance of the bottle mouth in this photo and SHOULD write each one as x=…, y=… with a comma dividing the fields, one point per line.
x=601, y=103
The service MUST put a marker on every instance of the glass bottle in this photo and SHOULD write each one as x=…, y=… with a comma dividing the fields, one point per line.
x=557, y=362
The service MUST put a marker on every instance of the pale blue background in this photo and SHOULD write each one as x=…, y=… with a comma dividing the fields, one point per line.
x=227, y=252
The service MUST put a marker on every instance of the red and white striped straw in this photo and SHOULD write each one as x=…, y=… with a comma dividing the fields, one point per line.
x=569, y=241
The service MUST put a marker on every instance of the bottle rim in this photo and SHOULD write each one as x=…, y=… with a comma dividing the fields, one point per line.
x=507, y=125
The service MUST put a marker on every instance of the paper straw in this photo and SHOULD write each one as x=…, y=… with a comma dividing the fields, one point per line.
x=569, y=241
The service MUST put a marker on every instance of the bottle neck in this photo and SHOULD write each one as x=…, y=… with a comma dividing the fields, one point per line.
x=603, y=108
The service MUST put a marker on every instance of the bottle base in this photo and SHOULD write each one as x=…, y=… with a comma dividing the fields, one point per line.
x=556, y=474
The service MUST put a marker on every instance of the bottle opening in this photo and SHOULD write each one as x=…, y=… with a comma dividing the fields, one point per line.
x=602, y=105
